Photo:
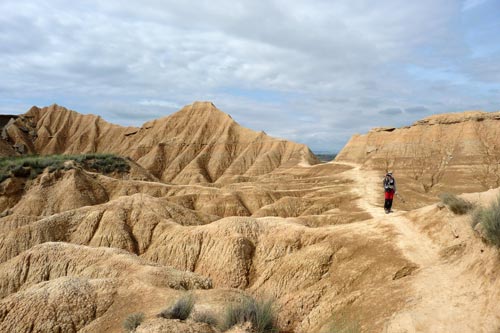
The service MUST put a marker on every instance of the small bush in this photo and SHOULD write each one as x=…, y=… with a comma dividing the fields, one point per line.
x=205, y=317
x=180, y=310
x=133, y=321
x=489, y=217
x=260, y=313
x=457, y=205
x=31, y=166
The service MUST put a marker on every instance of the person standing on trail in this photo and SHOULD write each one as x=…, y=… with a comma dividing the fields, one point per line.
x=390, y=189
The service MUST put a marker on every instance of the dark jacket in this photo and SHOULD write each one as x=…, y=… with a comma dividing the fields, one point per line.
x=389, y=184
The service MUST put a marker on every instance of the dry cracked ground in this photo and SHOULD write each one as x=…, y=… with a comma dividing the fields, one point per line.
x=209, y=208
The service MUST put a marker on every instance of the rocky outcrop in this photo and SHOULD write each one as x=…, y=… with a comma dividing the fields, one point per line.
x=80, y=289
x=129, y=223
x=81, y=251
x=198, y=144
x=455, y=152
x=269, y=256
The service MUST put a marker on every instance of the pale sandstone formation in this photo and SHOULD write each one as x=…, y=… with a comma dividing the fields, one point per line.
x=38, y=265
x=316, y=272
x=127, y=223
x=62, y=305
x=457, y=152
x=318, y=199
x=313, y=236
x=198, y=144
x=70, y=288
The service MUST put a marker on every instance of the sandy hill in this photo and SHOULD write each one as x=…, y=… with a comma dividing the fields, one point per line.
x=81, y=250
x=455, y=152
x=197, y=144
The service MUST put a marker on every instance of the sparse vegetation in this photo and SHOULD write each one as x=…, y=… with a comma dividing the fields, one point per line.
x=205, y=317
x=456, y=204
x=180, y=310
x=32, y=166
x=133, y=321
x=260, y=313
x=489, y=217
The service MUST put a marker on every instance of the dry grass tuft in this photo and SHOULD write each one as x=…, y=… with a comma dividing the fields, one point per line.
x=260, y=313
x=133, y=321
x=456, y=204
x=489, y=218
x=180, y=310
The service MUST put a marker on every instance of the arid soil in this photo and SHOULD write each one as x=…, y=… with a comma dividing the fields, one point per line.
x=222, y=212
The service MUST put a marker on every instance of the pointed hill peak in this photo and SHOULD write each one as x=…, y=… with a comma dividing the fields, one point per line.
x=197, y=144
x=202, y=109
x=197, y=114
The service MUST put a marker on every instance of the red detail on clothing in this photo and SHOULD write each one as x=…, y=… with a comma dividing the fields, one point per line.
x=389, y=195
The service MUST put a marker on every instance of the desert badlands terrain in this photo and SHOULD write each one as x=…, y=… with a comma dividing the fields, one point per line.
x=209, y=209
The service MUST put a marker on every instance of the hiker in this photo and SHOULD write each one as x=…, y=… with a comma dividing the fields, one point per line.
x=390, y=189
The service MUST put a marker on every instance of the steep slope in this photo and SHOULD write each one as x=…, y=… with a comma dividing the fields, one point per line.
x=85, y=289
x=401, y=271
x=313, y=236
x=458, y=152
x=198, y=144
x=453, y=278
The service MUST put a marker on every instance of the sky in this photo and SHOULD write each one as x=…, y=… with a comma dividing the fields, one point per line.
x=314, y=72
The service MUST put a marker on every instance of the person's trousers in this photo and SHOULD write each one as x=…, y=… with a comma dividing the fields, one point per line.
x=389, y=196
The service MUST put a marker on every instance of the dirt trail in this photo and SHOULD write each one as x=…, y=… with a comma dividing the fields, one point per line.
x=443, y=299
x=368, y=186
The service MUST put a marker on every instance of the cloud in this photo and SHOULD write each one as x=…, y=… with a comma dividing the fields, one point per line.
x=417, y=109
x=314, y=72
x=391, y=111
x=157, y=102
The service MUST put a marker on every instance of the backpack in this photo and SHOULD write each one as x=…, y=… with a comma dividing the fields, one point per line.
x=389, y=183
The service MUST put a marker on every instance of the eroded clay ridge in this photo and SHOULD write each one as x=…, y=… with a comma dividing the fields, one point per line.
x=197, y=144
x=466, y=134
x=435, y=152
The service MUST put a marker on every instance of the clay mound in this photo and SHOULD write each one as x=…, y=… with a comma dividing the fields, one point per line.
x=38, y=265
x=456, y=152
x=60, y=191
x=299, y=265
x=84, y=286
x=266, y=256
x=370, y=268
x=84, y=300
x=197, y=144
x=129, y=223
x=63, y=190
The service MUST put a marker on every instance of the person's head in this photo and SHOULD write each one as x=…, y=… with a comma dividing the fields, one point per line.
x=389, y=174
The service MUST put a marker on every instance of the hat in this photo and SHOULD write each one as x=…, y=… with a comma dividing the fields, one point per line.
x=389, y=173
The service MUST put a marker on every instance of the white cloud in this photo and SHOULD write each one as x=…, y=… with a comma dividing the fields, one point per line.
x=157, y=102
x=270, y=64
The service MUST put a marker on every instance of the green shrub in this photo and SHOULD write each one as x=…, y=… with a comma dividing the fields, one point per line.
x=133, y=321
x=180, y=310
x=32, y=166
x=457, y=205
x=260, y=313
x=205, y=317
x=489, y=218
